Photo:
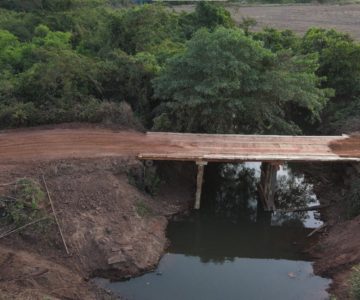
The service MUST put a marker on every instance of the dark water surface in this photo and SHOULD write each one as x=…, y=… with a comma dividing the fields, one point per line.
x=230, y=250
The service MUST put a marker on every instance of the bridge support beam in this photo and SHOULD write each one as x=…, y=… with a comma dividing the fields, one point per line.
x=267, y=185
x=199, y=182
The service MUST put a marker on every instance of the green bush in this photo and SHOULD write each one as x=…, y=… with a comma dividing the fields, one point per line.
x=109, y=113
x=146, y=179
x=352, y=199
x=18, y=114
x=355, y=283
x=28, y=202
x=142, y=209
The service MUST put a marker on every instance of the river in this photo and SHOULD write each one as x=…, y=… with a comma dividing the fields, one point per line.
x=230, y=249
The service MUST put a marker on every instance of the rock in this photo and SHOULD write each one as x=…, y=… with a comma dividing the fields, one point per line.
x=291, y=274
x=118, y=258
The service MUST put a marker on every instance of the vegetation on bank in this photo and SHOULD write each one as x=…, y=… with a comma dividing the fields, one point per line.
x=95, y=61
x=355, y=283
x=23, y=204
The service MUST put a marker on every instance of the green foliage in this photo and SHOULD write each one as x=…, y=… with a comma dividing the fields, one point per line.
x=142, y=209
x=211, y=15
x=352, y=199
x=28, y=202
x=146, y=179
x=109, y=113
x=207, y=14
x=339, y=58
x=247, y=23
x=46, y=5
x=355, y=283
x=339, y=62
x=139, y=28
x=81, y=60
x=277, y=40
x=126, y=78
x=18, y=114
x=236, y=85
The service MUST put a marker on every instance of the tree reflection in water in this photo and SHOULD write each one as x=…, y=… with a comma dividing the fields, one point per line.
x=230, y=191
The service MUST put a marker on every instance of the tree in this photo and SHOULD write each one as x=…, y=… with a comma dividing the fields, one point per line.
x=339, y=59
x=277, y=40
x=207, y=14
x=339, y=62
x=139, y=28
x=227, y=82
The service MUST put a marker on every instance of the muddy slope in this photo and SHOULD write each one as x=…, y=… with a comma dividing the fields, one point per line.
x=111, y=228
x=338, y=248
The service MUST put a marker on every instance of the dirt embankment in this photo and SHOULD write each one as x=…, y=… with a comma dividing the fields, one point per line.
x=338, y=248
x=111, y=227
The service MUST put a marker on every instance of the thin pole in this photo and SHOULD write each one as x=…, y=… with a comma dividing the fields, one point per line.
x=56, y=219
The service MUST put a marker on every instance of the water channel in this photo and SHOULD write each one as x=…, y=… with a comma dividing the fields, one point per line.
x=232, y=250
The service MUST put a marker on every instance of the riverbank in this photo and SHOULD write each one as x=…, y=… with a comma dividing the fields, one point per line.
x=111, y=227
x=337, y=249
x=114, y=229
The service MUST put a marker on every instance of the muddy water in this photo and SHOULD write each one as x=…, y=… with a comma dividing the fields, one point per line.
x=231, y=250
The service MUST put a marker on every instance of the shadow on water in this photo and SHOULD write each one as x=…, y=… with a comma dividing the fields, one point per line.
x=232, y=250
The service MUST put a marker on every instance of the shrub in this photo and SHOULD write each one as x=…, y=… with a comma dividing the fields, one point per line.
x=355, y=283
x=147, y=179
x=142, y=209
x=109, y=112
x=352, y=199
x=27, y=204
x=18, y=114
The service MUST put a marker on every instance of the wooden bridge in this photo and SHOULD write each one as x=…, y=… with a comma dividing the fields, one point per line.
x=26, y=145
x=271, y=150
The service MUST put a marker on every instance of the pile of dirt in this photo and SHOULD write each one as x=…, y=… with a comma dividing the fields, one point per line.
x=112, y=228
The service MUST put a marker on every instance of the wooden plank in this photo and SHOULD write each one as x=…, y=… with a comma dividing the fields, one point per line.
x=191, y=156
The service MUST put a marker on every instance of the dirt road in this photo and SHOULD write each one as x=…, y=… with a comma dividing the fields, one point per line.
x=299, y=18
x=20, y=146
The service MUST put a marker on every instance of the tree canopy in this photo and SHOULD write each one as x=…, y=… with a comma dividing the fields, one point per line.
x=76, y=60
x=227, y=82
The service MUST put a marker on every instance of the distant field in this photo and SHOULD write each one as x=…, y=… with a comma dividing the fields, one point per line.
x=299, y=18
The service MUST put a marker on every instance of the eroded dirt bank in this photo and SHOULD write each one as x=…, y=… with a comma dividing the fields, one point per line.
x=338, y=247
x=111, y=227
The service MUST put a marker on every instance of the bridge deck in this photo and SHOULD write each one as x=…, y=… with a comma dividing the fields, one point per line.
x=232, y=148
x=20, y=146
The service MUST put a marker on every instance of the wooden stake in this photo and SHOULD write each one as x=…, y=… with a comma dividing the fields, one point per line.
x=55, y=216
x=199, y=182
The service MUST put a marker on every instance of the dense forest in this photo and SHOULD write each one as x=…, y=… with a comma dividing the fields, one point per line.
x=101, y=61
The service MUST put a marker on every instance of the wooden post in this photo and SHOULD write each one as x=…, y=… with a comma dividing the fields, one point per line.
x=199, y=182
x=267, y=185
